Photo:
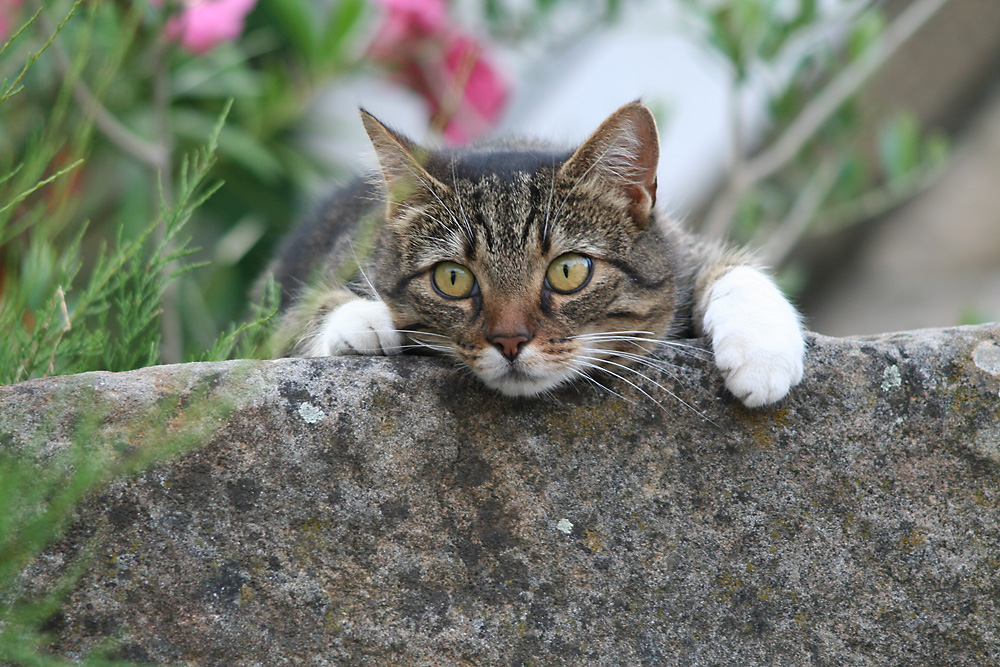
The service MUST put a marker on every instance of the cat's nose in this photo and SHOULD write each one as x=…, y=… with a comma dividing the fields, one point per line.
x=510, y=345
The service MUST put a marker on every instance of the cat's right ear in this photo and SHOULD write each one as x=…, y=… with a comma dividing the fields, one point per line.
x=621, y=156
x=402, y=162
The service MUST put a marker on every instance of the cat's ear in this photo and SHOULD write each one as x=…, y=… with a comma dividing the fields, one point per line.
x=622, y=155
x=402, y=161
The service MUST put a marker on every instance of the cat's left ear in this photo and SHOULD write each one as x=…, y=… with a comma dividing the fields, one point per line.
x=402, y=161
x=622, y=155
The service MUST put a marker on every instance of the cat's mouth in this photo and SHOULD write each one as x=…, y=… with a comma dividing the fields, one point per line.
x=523, y=377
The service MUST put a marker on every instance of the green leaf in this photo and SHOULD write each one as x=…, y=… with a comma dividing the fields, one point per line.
x=234, y=143
x=37, y=186
x=344, y=20
x=866, y=31
x=222, y=73
x=495, y=11
x=250, y=338
x=723, y=36
x=899, y=146
x=936, y=149
x=854, y=177
x=297, y=22
x=806, y=14
x=778, y=30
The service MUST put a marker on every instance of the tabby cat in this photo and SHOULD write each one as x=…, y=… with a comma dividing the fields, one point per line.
x=530, y=265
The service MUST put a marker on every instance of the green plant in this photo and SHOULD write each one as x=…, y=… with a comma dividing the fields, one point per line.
x=98, y=107
x=812, y=173
x=112, y=323
x=69, y=300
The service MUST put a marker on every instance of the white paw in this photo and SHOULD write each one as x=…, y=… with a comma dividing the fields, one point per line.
x=756, y=336
x=358, y=327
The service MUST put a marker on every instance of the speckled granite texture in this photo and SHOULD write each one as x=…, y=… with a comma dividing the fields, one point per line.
x=371, y=511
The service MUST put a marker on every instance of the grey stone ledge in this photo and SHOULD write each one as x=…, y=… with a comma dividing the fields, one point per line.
x=391, y=511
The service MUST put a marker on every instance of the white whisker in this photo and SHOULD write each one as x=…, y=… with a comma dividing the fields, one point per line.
x=426, y=346
x=655, y=364
x=413, y=209
x=436, y=348
x=614, y=333
x=435, y=239
x=419, y=346
x=598, y=384
x=596, y=367
x=440, y=201
x=581, y=179
x=361, y=271
x=648, y=379
x=612, y=338
x=451, y=241
x=548, y=203
x=461, y=207
x=422, y=333
x=693, y=351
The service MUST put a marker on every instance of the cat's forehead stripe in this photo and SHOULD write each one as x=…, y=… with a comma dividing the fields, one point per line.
x=506, y=166
x=501, y=213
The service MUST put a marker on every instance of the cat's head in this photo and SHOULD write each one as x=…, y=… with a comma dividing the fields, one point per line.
x=532, y=266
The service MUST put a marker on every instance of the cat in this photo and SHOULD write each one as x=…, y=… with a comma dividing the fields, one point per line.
x=531, y=265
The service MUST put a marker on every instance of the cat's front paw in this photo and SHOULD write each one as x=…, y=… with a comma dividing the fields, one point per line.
x=758, y=370
x=358, y=327
x=756, y=337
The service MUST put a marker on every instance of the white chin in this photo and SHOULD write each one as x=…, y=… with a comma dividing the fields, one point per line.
x=530, y=376
x=513, y=383
x=520, y=386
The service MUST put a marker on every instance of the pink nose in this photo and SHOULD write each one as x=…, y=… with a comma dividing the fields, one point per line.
x=510, y=346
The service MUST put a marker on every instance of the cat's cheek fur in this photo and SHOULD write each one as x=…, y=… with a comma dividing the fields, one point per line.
x=357, y=327
x=756, y=336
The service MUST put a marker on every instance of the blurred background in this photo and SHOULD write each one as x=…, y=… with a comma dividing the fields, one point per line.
x=854, y=144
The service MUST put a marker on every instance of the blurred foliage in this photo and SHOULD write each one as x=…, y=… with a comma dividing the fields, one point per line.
x=110, y=320
x=551, y=22
x=94, y=132
x=747, y=32
x=92, y=199
x=816, y=170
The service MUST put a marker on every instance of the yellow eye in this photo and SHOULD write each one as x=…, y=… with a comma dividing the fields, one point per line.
x=569, y=272
x=453, y=281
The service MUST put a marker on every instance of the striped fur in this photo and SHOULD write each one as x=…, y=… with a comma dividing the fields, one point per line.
x=505, y=212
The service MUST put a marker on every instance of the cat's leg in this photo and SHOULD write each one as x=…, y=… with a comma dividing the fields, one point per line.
x=359, y=326
x=337, y=321
x=756, y=335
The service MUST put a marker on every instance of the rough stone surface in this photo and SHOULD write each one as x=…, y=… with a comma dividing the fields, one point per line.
x=368, y=511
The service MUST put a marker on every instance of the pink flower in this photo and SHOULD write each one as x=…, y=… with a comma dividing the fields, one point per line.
x=204, y=24
x=464, y=91
x=407, y=20
x=484, y=92
x=7, y=15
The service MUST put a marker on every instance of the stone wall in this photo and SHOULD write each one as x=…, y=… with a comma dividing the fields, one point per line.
x=372, y=511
